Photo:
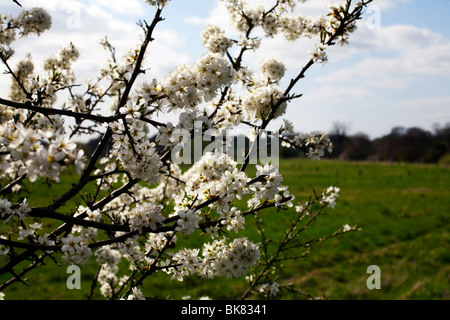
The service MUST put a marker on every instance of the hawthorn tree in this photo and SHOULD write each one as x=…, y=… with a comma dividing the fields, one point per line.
x=144, y=203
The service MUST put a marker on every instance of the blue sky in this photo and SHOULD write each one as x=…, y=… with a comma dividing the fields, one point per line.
x=396, y=74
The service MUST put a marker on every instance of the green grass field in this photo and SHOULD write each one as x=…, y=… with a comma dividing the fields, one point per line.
x=403, y=210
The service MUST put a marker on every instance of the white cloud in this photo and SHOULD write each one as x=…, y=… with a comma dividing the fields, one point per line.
x=389, y=4
x=436, y=105
x=338, y=94
x=392, y=57
x=128, y=7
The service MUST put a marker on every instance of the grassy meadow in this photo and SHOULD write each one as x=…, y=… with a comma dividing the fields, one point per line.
x=402, y=209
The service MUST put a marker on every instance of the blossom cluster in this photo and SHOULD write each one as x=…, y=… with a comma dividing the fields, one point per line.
x=33, y=21
x=62, y=62
x=264, y=101
x=271, y=290
x=217, y=259
x=36, y=152
x=215, y=39
x=75, y=250
x=134, y=150
x=147, y=215
x=157, y=3
x=273, y=69
x=267, y=188
x=229, y=113
x=214, y=175
x=315, y=144
x=330, y=196
x=186, y=87
x=278, y=20
x=24, y=71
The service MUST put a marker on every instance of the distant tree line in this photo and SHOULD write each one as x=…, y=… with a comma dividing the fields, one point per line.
x=400, y=145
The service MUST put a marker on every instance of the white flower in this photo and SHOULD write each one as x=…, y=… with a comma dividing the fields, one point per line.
x=22, y=210
x=319, y=54
x=157, y=3
x=157, y=241
x=46, y=241
x=288, y=126
x=347, y=228
x=214, y=39
x=144, y=216
x=236, y=259
x=271, y=289
x=79, y=161
x=136, y=295
x=273, y=69
x=330, y=196
x=188, y=262
x=36, y=20
x=5, y=208
x=188, y=221
x=3, y=251
x=261, y=102
x=108, y=256
x=131, y=110
x=75, y=251
x=25, y=233
x=315, y=144
x=70, y=244
x=237, y=223
x=49, y=160
x=213, y=232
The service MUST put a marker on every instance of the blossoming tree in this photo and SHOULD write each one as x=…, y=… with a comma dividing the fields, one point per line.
x=143, y=202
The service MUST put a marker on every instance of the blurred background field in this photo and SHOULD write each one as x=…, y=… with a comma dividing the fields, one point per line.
x=402, y=209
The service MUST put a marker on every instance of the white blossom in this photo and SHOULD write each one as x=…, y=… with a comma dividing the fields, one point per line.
x=75, y=251
x=270, y=289
x=158, y=3
x=346, y=228
x=147, y=215
x=36, y=20
x=330, y=196
x=5, y=208
x=215, y=40
x=136, y=295
x=187, y=221
x=319, y=55
x=273, y=69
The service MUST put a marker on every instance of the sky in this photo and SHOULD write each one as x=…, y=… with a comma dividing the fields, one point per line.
x=395, y=71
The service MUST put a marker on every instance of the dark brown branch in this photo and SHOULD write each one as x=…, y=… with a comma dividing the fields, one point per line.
x=8, y=188
x=46, y=213
x=50, y=111
x=31, y=246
